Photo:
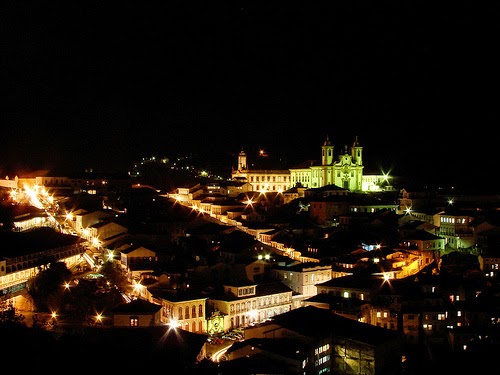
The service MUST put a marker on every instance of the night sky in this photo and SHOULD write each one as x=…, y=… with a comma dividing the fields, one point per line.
x=102, y=84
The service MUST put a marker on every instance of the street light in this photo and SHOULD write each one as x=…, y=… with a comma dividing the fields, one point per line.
x=98, y=319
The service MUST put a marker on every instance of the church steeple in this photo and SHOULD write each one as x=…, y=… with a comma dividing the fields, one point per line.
x=242, y=160
x=327, y=152
x=356, y=142
x=357, y=152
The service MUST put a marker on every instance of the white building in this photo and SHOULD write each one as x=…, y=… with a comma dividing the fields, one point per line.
x=344, y=170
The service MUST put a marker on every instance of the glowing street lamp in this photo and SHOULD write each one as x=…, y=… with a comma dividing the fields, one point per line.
x=96, y=242
x=174, y=323
x=137, y=288
x=98, y=318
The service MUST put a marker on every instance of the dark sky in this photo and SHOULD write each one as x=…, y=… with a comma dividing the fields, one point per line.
x=102, y=84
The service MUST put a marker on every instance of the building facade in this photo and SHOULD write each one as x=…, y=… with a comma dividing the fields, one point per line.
x=242, y=305
x=344, y=170
x=264, y=180
x=302, y=278
x=20, y=263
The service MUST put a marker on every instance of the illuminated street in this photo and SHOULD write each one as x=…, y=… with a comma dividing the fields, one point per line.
x=221, y=350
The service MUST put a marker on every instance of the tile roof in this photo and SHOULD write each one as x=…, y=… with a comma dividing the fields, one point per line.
x=330, y=324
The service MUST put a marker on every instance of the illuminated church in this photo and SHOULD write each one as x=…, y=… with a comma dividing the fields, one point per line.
x=344, y=171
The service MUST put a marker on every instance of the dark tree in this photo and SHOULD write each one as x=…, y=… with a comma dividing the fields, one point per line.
x=47, y=287
x=9, y=315
x=113, y=274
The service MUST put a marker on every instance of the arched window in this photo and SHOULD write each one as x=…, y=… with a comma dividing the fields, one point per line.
x=187, y=312
x=193, y=311
x=200, y=310
x=180, y=313
x=193, y=327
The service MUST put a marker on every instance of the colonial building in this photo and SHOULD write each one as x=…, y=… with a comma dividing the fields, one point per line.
x=263, y=180
x=137, y=313
x=244, y=303
x=302, y=279
x=329, y=344
x=25, y=253
x=180, y=308
x=455, y=226
x=136, y=260
x=344, y=171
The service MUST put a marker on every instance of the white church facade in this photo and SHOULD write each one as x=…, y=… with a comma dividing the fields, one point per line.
x=345, y=172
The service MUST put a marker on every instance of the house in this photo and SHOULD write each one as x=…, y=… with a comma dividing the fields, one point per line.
x=135, y=260
x=26, y=217
x=243, y=302
x=302, y=278
x=335, y=344
x=427, y=244
x=87, y=219
x=180, y=308
x=23, y=253
x=137, y=313
x=293, y=193
x=235, y=188
x=455, y=225
x=106, y=232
